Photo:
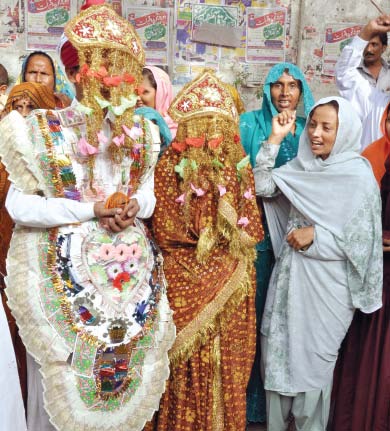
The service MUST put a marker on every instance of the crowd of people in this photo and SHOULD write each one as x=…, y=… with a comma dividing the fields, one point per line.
x=174, y=263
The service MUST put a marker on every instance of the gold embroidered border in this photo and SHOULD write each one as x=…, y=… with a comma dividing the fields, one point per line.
x=230, y=215
x=205, y=321
x=218, y=401
x=227, y=211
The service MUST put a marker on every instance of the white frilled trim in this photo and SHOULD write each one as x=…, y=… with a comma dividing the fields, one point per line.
x=66, y=409
x=62, y=399
x=23, y=280
x=16, y=154
x=68, y=412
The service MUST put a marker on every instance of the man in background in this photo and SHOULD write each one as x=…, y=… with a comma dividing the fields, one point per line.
x=373, y=67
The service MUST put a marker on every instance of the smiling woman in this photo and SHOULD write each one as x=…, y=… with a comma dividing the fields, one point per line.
x=329, y=258
x=322, y=129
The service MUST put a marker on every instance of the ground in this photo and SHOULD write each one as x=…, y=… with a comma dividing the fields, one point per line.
x=256, y=427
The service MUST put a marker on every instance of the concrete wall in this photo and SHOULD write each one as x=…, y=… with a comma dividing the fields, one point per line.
x=309, y=20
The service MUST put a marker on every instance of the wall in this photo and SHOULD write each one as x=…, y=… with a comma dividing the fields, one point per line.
x=306, y=32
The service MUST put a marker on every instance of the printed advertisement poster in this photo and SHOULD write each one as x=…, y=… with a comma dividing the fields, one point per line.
x=187, y=51
x=336, y=37
x=152, y=26
x=11, y=21
x=46, y=20
x=226, y=16
x=265, y=35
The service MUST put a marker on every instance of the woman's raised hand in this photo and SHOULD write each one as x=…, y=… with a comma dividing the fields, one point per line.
x=282, y=124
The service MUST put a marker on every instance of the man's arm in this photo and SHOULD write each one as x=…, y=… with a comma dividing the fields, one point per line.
x=350, y=83
x=41, y=212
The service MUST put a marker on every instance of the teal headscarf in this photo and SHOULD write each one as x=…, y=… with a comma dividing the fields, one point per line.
x=255, y=126
x=152, y=115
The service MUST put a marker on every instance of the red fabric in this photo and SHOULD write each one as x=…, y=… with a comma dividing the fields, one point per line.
x=361, y=390
x=90, y=3
x=69, y=56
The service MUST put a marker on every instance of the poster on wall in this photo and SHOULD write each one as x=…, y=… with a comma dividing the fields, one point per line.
x=189, y=55
x=265, y=35
x=150, y=3
x=11, y=21
x=152, y=26
x=336, y=37
x=46, y=20
x=226, y=16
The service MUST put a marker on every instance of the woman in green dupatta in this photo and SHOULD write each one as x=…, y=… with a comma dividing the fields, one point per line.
x=285, y=88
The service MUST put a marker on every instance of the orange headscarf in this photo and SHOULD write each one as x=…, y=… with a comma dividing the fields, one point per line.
x=40, y=95
x=378, y=152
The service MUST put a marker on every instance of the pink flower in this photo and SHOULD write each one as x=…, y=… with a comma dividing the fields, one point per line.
x=248, y=194
x=222, y=190
x=131, y=266
x=243, y=221
x=86, y=149
x=199, y=191
x=181, y=199
x=122, y=252
x=135, y=251
x=119, y=140
x=107, y=252
x=113, y=270
x=102, y=138
x=133, y=133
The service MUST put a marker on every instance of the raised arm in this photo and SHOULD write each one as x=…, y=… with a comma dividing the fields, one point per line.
x=351, y=84
x=282, y=124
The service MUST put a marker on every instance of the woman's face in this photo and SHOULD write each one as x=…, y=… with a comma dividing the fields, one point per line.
x=23, y=105
x=148, y=96
x=285, y=93
x=322, y=130
x=39, y=69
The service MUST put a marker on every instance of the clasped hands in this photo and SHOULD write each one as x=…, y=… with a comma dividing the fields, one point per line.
x=116, y=219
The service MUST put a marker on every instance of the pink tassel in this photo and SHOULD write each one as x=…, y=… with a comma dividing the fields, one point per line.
x=86, y=149
x=199, y=192
x=243, y=221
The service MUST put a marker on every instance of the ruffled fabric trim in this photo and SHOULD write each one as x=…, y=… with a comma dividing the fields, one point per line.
x=68, y=412
x=15, y=153
x=62, y=399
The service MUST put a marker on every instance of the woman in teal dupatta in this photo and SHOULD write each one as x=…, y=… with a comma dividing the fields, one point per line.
x=255, y=128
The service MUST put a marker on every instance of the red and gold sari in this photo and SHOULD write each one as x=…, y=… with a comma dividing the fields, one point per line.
x=207, y=224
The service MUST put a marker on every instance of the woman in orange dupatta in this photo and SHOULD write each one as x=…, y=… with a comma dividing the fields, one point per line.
x=378, y=152
x=207, y=223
